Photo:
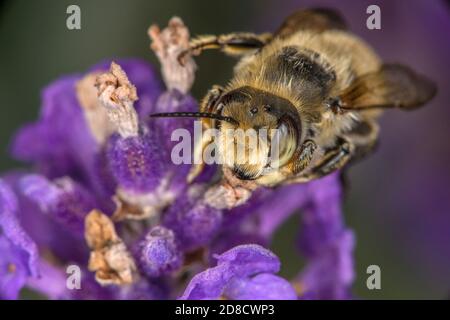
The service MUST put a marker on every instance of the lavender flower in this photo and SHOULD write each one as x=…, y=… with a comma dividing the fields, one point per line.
x=244, y=272
x=63, y=199
x=103, y=194
x=326, y=243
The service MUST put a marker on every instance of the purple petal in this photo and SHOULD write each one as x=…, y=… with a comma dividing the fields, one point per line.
x=240, y=262
x=322, y=219
x=330, y=274
x=251, y=256
x=158, y=253
x=54, y=141
x=13, y=270
x=62, y=199
x=12, y=229
x=43, y=229
x=60, y=143
x=51, y=282
x=232, y=238
x=264, y=286
x=326, y=243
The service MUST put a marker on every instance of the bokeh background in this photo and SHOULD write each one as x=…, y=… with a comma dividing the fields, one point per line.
x=398, y=202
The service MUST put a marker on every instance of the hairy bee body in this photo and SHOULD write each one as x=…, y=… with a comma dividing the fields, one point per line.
x=341, y=56
x=319, y=86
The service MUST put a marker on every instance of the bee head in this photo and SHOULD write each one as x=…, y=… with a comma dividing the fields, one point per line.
x=265, y=133
x=259, y=132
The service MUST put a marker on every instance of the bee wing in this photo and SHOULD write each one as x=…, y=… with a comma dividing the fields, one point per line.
x=319, y=19
x=392, y=86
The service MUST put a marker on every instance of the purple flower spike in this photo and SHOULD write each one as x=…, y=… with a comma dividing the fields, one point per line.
x=330, y=274
x=194, y=222
x=158, y=253
x=63, y=199
x=13, y=231
x=326, y=243
x=233, y=275
x=136, y=163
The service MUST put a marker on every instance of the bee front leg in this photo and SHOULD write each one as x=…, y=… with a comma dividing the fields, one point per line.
x=364, y=137
x=234, y=44
x=198, y=167
x=302, y=157
x=333, y=159
x=299, y=161
x=208, y=104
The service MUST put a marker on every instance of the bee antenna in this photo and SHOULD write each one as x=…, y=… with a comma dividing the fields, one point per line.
x=194, y=115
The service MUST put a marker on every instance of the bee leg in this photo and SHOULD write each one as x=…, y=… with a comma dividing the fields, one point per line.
x=364, y=137
x=302, y=157
x=300, y=160
x=198, y=166
x=235, y=44
x=209, y=104
x=334, y=159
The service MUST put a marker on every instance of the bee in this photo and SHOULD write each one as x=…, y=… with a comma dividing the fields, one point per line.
x=318, y=85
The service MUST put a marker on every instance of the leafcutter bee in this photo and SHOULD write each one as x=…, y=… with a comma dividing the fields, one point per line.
x=318, y=86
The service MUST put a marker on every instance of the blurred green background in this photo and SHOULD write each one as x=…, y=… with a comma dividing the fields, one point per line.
x=38, y=48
